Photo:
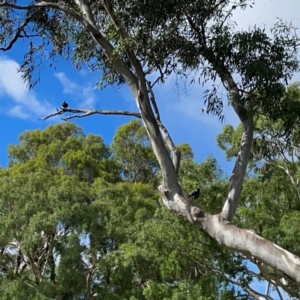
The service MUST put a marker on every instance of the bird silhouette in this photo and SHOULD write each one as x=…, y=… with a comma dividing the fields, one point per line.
x=64, y=105
x=195, y=194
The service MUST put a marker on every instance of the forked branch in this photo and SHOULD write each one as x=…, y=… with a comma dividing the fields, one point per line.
x=240, y=167
x=239, y=171
x=176, y=155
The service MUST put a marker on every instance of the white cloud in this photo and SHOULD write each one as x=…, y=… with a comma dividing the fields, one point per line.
x=11, y=82
x=88, y=97
x=83, y=93
x=18, y=112
x=267, y=12
x=70, y=87
x=25, y=104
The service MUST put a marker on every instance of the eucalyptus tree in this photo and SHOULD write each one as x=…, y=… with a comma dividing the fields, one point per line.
x=130, y=40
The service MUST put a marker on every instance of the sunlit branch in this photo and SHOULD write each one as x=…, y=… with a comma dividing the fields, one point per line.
x=254, y=293
x=251, y=291
x=81, y=113
x=237, y=282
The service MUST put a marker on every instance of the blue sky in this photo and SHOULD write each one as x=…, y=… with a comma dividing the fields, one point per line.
x=21, y=108
x=180, y=112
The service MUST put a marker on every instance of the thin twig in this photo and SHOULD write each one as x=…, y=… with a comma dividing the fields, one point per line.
x=153, y=101
x=19, y=31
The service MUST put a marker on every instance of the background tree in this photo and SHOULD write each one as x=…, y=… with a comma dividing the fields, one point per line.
x=68, y=232
x=45, y=206
x=130, y=40
x=132, y=147
x=273, y=147
x=270, y=204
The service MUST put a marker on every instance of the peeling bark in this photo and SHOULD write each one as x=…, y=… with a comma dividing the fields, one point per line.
x=244, y=241
x=249, y=243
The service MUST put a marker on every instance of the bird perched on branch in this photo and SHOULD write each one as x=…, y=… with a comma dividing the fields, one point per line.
x=194, y=195
x=64, y=105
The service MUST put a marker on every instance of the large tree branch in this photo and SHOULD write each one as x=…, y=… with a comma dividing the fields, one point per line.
x=47, y=4
x=240, y=167
x=244, y=241
x=239, y=171
x=176, y=155
x=141, y=94
x=249, y=243
x=154, y=132
x=107, y=47
x=153, y=101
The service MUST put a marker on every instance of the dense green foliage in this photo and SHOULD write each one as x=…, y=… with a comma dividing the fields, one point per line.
x=132, y=148
x=74, y=227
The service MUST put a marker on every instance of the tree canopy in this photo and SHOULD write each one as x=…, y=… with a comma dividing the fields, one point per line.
x=72, y=230
x=131, y=40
